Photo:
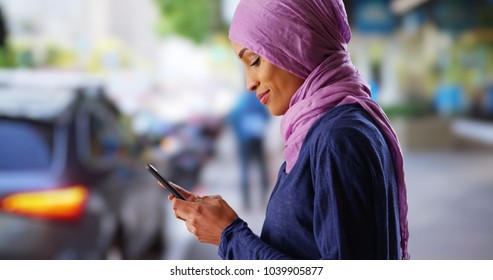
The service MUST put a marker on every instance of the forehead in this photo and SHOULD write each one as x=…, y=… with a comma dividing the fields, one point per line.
x=237, y=47
x=240, y=50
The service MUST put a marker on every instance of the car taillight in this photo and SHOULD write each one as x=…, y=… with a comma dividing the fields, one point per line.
x=60, y=204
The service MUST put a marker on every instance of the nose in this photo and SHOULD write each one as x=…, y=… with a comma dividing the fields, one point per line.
x=251, y=83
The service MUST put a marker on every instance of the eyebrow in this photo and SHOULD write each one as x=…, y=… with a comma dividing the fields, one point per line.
x=240, y=54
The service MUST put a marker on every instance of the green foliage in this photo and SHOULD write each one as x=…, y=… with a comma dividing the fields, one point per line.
x=194, y=19
x=7, y=58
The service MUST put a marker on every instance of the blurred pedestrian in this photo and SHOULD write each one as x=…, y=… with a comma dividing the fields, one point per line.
x=340, y=194
x=249, y=120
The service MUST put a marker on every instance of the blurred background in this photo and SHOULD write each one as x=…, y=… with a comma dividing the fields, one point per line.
x=91, y=90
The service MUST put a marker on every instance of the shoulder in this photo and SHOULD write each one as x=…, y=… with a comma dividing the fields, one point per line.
x=346, y=127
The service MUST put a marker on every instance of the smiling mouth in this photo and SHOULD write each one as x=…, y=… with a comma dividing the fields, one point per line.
x=263, y=97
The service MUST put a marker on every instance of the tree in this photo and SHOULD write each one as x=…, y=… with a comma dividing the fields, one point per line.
x=194, y=19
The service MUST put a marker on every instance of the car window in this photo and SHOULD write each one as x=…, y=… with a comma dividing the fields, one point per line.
x=105, y=138
x=24, y=145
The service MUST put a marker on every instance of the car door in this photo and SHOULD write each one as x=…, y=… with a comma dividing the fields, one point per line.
x=121, y=180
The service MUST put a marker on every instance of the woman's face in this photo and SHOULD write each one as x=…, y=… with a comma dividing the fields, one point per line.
x=273, y=85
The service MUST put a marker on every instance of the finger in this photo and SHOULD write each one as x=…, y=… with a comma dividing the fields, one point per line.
x=182, y=191
x=183, y=209
x=172, y=196
x=177, y=203
x=178, y=217
x=189, y=226
x=213, y=197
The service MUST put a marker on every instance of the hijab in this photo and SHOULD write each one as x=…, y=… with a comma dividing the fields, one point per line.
x=309, y=39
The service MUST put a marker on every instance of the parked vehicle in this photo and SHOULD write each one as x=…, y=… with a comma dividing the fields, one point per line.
x=71, y=184
x=188, y=147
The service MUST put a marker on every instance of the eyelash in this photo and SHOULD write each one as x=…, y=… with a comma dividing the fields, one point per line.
x=256, y=62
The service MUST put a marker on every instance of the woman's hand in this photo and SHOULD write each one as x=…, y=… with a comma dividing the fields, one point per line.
x=187, y=195
x=206, y=217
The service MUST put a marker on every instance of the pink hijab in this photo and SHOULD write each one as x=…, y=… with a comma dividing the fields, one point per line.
x=309, y=39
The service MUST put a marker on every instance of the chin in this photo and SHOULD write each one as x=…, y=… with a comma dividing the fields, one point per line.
x=273, y=111
x=277, y=111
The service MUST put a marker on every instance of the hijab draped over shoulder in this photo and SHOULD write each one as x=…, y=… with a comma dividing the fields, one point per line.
x=309, y=39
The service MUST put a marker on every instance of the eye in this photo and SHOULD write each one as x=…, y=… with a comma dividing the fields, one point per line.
x=256, y=62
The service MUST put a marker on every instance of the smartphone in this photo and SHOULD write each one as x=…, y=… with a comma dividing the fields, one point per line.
x=165, y=182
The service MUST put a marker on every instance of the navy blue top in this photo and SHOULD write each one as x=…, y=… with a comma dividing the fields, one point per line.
x=338, y=202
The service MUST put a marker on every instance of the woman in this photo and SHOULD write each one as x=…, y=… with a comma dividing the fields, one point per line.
x=340, y=194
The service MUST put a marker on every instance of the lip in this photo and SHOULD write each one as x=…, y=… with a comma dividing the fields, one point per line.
x=263, y=97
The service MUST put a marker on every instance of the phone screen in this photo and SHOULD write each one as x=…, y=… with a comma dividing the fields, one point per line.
x=165, y=182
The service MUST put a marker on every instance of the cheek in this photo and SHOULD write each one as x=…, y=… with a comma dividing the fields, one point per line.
x=267, y=73
x=271, y=78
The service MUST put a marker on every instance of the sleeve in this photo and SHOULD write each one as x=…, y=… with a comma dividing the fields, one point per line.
x=238, y=242
x=343, y=209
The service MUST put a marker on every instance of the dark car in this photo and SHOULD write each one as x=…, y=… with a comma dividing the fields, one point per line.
x=71, y=182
